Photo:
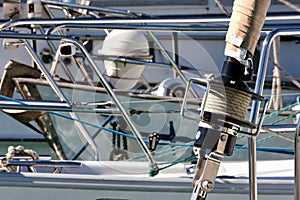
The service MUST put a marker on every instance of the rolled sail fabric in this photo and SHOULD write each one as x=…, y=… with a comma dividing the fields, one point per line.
x=245, y=26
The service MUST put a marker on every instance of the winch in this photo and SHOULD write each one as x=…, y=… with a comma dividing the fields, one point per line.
x=227, y=98
x=222, y=117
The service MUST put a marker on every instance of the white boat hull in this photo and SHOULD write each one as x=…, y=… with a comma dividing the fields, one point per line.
x=129, y=181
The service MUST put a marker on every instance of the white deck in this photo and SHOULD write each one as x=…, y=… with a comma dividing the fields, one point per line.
x=126, y=180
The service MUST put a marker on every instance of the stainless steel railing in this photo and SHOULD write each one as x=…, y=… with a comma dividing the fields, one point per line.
x=261, y=75
x=26, y=37
x=90, y=9
x=297, y=162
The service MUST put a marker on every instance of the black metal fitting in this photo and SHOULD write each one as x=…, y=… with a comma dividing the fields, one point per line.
x=233, y=74
x=206, y=138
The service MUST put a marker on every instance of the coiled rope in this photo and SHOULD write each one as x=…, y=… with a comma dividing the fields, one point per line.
x=227, y=101
x=10, y=155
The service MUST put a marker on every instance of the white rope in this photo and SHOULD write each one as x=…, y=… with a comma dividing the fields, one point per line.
x=227, y=101
x=276, y=97
x=10, y=155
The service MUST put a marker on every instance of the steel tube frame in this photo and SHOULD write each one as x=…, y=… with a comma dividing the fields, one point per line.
x=146, y=27
x=37, y=60
x=258, y=87
x=62, y=5
x=297, y=163
x=28, y=22
x=131, y=21
x=108, y=88
x=173, y=62
x=52, y=106
x=262, y=69
x=153, y=164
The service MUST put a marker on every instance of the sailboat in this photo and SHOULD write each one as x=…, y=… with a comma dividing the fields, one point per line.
x=130, y=138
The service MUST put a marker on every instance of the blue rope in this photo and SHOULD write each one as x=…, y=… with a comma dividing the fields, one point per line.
x=97, y=126
x=278, y=150
x=73, y=119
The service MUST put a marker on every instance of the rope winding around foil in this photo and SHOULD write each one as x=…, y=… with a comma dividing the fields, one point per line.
x=227, y=101
x=11, y=152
